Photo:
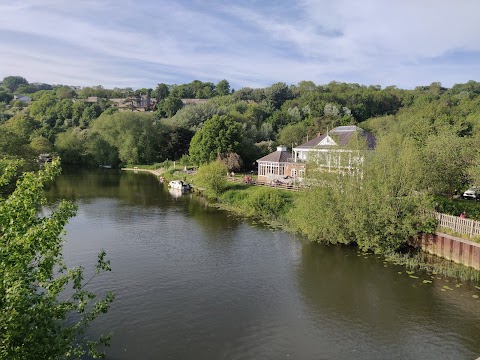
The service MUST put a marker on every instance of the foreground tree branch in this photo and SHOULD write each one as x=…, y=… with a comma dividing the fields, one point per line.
x=34, y=322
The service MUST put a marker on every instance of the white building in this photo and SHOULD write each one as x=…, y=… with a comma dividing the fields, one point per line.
x=340, y=149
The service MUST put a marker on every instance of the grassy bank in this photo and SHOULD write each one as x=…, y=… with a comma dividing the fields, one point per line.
x=272, y=205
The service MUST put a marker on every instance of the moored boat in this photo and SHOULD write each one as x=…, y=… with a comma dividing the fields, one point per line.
x=179, y=185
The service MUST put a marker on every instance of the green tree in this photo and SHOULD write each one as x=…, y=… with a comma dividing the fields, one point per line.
x=71, y=145
x=40, y=145
x=223, y=88
x=5, y=96
x=379, y=206
x=161, y=92
x=219, y=135
x=292, y=135
x=277, y=94
x=212, y=176
x=34, y=305
x=22, y=125
x=447, y=159
x=169, y=106
x=13, y=82
x=137, y=137
x=44, y=107
x=27, y=89
x=89, y=113
x=193, y=117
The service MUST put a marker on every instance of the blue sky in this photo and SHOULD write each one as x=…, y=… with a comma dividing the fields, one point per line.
x=250, y=43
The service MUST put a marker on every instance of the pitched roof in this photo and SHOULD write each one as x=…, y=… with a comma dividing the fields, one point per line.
x=342, y=136
x=277, y=156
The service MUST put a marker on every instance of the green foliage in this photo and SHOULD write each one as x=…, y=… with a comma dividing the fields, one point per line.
x=34, y=305
x=40, y=145
x=447, y=158
x=378, y=208
x=193, y=116
x=134, y=137
x=292, y=135
x=71, y=145
x=169, y=106
x=223, y=87
x=219, y=135
x=212, y=176
x=13, y=82
x=270, y=203
x=456, y=206
x=265, y=203
x=161, y=92
x=5, y=96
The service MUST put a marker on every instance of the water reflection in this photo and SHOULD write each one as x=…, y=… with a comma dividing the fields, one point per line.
x=382, y=309
x=194, y=282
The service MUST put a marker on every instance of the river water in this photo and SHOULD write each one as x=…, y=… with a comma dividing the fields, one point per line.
x=194, y=282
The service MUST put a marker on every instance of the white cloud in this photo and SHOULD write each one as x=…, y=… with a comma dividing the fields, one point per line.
x=142, y=43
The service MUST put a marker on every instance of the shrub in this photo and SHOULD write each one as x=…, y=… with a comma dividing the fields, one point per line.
x=270, y=203
x=212, y=177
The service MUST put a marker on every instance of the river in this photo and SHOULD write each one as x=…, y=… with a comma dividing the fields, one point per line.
x=195, y=282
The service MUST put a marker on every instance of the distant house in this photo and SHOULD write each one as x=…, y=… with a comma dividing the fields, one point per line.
x=92, y=99
x=135, y=103
x=340, y=149
x=24, y=99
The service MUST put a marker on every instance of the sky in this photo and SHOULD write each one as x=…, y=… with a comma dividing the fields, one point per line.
x=126, y=43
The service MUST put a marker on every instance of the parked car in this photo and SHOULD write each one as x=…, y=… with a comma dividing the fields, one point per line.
x=472, y=193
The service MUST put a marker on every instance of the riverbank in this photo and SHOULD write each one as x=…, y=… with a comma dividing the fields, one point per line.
x=157, y=172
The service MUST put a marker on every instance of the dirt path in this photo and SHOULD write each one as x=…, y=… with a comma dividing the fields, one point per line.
x=157, y=172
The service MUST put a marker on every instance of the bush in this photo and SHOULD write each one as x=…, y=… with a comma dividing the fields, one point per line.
x=457, y=206
x=212, y=177
x=269, y=203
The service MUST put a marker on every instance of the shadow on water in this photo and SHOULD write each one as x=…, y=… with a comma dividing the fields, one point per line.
x=379, y=303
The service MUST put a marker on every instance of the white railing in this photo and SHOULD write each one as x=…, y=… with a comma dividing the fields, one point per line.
x=458, y=224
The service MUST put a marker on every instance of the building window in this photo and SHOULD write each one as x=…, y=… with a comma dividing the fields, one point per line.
x=293, y=173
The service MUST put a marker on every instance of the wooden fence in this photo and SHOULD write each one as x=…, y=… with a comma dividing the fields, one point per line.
x=277, y=185
x=457, y=224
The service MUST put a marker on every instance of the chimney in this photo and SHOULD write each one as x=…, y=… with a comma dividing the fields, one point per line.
x=281, y=148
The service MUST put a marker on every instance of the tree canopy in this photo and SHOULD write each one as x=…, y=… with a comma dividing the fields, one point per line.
x=219, y=135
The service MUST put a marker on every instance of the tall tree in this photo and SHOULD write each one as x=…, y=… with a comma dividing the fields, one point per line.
x=223, y=87
x=219, y=135
x=447, y=160
x=169, y=106
x=161, y=92
x=13, y=82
